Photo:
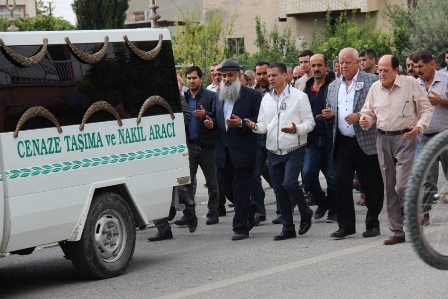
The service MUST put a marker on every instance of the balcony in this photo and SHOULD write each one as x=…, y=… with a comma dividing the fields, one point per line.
x=294, y=7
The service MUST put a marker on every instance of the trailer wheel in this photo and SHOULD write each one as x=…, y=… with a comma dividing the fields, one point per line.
x=108, y=239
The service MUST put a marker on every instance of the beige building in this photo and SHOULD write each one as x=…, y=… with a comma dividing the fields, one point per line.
x=23, y=8
x=298, y=15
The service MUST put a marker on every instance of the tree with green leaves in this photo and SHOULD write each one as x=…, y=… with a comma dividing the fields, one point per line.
x=272, y=45
x=428, y=27
x=346, y=32
x=201, y=42
x=39, y=23
x=100, y=14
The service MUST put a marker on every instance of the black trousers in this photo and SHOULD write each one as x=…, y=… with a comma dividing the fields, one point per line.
x=349, y=156
x=236, y=184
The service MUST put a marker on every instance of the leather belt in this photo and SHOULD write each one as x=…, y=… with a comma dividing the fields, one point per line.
x=286, y=151
x=393, y=133
x=430, y=134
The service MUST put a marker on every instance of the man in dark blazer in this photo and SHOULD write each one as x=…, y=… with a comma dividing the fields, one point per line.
x=353, y=148
x=236, y=149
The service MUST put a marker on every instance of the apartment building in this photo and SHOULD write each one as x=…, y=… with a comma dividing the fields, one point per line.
x=23, y=8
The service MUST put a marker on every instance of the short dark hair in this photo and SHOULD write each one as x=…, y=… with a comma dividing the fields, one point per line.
x=281, y=66
x=395, y=62
x=410, y=56
x=246, y=77
x=192, y=69
x=369, y=52
x=325, y=59
x=424, y=56
x=331, y=75
x=446, y=51
x=261, y=63
x=215, y=64
x=306, y=53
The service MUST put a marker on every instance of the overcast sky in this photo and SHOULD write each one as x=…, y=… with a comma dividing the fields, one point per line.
x=63, y=8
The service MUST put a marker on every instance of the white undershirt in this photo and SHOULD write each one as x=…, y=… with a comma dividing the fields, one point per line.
x=227, y=109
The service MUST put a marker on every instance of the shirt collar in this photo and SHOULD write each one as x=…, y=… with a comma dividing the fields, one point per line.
x=284, y=93
x=397, y=82
x=198, y=94
x=354, y=80
x=437, y=78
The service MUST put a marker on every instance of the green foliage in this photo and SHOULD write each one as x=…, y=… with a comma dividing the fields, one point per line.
x=272, y=46
x=201, y=43
x=42, y=9
x=39, y=23
x=346, y=32
x=100, y=14
x=428, y=28
x=398, y=17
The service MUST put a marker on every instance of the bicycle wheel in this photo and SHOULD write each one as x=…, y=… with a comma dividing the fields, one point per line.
x=430, y=239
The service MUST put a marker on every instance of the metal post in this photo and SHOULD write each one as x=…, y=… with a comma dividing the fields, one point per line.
x=154, y=16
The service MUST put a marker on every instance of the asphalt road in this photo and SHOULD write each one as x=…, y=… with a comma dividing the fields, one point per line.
x=207, y=264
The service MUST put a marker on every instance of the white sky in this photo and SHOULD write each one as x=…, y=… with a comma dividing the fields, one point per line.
x=63, y=8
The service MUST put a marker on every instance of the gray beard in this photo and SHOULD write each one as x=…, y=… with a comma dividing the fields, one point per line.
x=230, y=93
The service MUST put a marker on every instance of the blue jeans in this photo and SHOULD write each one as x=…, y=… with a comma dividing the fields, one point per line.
x=318, y=151
x=285, y=170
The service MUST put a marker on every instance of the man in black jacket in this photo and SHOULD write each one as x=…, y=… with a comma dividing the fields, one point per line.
x=201, y=143
x=319, y=145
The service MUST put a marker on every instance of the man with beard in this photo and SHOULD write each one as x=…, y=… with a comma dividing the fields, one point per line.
x=235, y=157
x=368, y=61
x=280, y=110
x=410, y=67
x=435, y=86
x=304, y=60
x=319, y=145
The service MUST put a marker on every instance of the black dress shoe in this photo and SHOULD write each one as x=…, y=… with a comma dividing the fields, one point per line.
x=259, y=218
x=193, y=224
x=158, y=237
x=342, y=233
x=212, y=219
x=251, y=221
x=373, y=232
x=285, y=235
x=305, y=224
x=237, y=237
x=277, y=220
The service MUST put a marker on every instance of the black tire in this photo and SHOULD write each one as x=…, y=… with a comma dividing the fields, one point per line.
x=431, y=242
x=108, y=239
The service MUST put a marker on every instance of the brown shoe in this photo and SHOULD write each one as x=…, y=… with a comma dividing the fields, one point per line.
x=362, y=200
x=394, y=240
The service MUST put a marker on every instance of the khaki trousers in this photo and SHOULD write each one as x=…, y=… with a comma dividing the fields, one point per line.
x=395, y=155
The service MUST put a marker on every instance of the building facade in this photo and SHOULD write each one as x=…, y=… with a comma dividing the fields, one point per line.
x=23, y=8
x=298, y=15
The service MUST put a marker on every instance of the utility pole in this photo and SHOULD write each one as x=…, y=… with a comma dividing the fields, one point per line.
x=49, y=6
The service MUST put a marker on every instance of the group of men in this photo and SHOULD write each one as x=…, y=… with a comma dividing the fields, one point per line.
x=279, y=123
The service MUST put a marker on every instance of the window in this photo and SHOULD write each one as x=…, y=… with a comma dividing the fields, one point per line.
x=236, y=45
x=18, y=12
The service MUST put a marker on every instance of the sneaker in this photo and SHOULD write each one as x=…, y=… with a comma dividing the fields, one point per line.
x=182, y=222
x=320, y=213
x=332, y=217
